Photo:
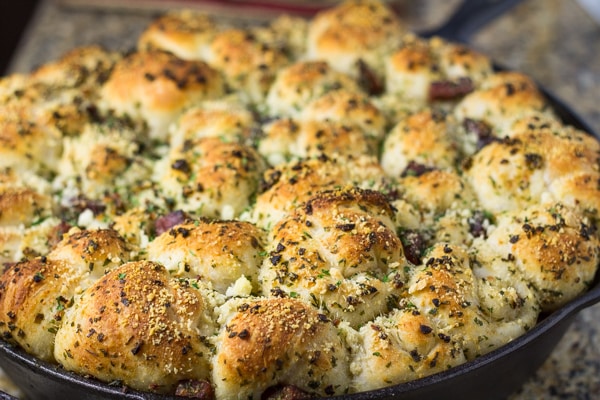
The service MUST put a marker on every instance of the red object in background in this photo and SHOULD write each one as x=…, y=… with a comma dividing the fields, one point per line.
x=306, y=8
x=247, y=9
x=235, y=8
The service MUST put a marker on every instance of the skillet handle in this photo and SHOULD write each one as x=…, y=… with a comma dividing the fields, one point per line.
x=469, y=17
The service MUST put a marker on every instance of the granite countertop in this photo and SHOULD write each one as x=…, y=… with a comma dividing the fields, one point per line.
x=554, y=41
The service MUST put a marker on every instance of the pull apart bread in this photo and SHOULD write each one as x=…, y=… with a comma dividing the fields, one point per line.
x=304, y=208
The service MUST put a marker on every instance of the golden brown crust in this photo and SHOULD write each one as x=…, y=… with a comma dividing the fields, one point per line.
x=418, y=65
x=287, y=32
x=445, y=288
x=279, y=341
x=92, y=251
x=437, y=191
x=158, y=86
x=33, y=297
x=400, y=347
x=287, y=139
x=288, y=185
x=86, y=67
x=23, y=205
x=458, y=61
x=213, y=251
x=25, y=144
x=298, y=84
x=355, y=25
x=135, y=226
x=61, y=95
x=249, y=65
x=229, y=121
x=62, y=92
x=410, y=70
x=339, y=251
x=354, y=30
x=349, y=108
x=553, y=249
x=424, y=138
x=26, y=216
x=212, y=178
x=185, y=33
x=535, y=165
x=104, y=158
x=149, y=323
x=503, y=98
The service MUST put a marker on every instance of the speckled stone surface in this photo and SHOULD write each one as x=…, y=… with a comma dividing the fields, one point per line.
x=554, y=41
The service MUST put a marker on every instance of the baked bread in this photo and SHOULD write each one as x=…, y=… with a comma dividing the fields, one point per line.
x=157, y=86
x=426, y=69
x=153, y=324
x=210, y=177
x=306, y=207
x=338, y=251
x=288, y=185
x=185, y=33
x=423, y=137
x=550, y=247
x=402, y=338
x=228, y=119
x=27, y=144
x=35, y=294
x=354, y=37
x=267, y=342
x=219, y=252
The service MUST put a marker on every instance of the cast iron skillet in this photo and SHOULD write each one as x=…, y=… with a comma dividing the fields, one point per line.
x=492, y=376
